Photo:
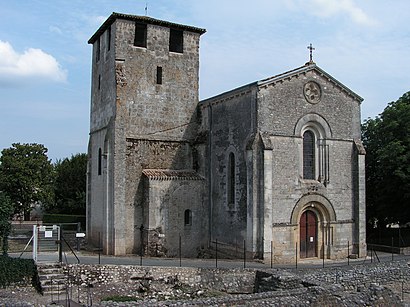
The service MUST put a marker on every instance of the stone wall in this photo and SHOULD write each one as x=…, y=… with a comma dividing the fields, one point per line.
x=226, y=280
x=230, y=120
x=357, y=285
x=138, y=122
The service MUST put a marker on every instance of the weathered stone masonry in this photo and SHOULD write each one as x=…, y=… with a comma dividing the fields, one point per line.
x=277, y=163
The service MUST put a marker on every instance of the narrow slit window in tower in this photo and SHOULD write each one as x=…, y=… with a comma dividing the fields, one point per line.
x=188, y=217
x=159, y=75
x=99, y=161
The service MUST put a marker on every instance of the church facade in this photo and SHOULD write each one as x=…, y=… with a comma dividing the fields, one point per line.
x=275, y=167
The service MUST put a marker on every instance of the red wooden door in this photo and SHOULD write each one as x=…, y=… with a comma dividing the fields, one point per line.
x=308, y=234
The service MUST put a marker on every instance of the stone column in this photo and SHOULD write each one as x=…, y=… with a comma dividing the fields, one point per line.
x=267, y=199
x=359, y=216
x=252, y=217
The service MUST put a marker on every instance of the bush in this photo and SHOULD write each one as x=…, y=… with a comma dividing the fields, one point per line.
x=14, y=271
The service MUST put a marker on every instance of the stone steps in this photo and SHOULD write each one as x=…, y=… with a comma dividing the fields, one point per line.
x=53, y=279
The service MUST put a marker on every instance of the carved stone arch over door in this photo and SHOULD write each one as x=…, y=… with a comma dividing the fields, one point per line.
x=313, y=214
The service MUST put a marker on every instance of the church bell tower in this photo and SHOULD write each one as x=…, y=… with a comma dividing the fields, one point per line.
x=144, y=92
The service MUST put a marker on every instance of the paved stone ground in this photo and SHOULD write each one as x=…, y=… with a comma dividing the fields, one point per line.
x=355, y=285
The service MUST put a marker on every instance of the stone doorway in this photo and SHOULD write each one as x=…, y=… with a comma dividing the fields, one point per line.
x=308, y=226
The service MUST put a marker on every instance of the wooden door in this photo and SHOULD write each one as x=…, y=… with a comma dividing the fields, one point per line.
x=308, y=235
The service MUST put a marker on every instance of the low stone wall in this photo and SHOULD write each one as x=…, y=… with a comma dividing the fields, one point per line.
x=352, y=278
x=244, y=280
x=389, y=249
x=226, y=280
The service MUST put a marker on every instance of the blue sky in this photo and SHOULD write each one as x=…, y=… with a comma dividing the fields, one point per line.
x=45, y=61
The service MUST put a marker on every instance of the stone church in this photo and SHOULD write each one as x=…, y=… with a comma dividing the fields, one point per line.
x=274, y=168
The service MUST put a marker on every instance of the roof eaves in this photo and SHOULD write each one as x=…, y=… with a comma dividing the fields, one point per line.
x=149, y=20
x=166, y=174
x=286, y=74
x=305, y=68
x=229, y=94
x=339, y=84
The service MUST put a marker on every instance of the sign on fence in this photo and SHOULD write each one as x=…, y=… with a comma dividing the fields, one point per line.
x=46, y=243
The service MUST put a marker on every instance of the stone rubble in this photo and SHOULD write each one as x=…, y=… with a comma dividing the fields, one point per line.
x=356, y=285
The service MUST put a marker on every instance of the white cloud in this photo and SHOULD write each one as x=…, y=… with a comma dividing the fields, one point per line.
x=331, y=8
x=54, y=29
x=31, y=64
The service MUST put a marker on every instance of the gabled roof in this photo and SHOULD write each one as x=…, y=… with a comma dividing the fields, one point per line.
x=167, y=174
x=310, y=66
x=144, y=19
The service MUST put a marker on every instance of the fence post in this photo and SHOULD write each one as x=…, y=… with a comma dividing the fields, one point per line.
x=99, y=247
x=78, y=239
x=244, y=254
x=60, y=244
x=399, y=239
x=323, y=254
x=392, y=242
x=323, y=245
x=141, y=242
x=35, y=240
x=216, y=253
x=180, y=251
x=296, y=253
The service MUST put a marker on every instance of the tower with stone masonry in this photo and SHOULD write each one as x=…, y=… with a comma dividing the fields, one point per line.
x=143, y=121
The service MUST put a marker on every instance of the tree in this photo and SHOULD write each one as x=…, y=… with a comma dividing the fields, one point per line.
x=26, y=176
x=6, y=211
x=70, y=185
x=387, y=142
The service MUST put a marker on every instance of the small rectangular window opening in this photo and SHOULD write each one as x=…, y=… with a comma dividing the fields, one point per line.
x=188, y=217
x=140, y=38
x=99, y=82
x=176, y=41
x=159, y=75
x=99, y=161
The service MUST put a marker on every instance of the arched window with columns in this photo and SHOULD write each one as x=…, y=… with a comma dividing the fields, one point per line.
x=309, y=162
x=314, y=152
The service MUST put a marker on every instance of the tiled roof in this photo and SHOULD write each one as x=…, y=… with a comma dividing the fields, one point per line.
x=167, y=174
x=144, y=19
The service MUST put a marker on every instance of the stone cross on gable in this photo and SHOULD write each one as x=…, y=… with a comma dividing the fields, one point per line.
x=310, y=47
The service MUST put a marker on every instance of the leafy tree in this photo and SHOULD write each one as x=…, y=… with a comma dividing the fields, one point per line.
x=387, y=142
x=70, y=185
x=6, y=211
x=26, y=176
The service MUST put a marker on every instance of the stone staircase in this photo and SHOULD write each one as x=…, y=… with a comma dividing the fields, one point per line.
x=53, y=279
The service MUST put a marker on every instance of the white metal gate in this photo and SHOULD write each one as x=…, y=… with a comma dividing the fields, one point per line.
x=46, y=243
